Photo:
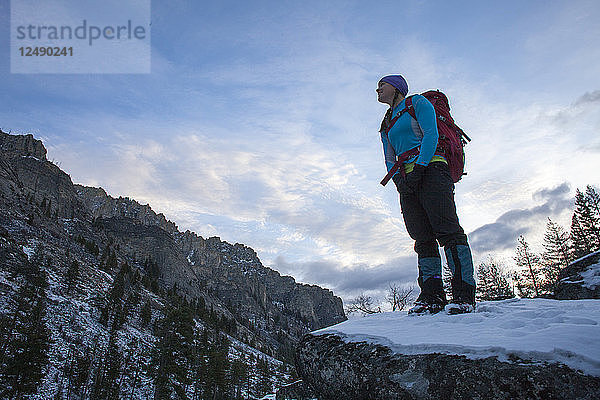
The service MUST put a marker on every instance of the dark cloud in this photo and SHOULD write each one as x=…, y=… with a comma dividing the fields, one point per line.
x=348, y=281
x=573, y=117
x=555, y=193
x=591, y=147
x=495, y=236
x=593, y=97
x=503, y=233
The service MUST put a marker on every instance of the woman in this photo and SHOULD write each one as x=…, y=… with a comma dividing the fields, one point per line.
x=426, y=198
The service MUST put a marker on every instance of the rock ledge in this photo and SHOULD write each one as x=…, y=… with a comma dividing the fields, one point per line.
x=337, y=369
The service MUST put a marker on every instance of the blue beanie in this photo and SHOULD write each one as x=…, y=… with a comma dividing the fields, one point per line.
x=396, y=81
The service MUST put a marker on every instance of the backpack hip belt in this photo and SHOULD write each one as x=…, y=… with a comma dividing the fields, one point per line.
x=402, y=158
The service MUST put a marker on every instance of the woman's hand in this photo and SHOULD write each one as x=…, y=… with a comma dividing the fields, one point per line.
x=411, y=182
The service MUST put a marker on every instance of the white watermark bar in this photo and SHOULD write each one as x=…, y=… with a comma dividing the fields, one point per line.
x=80, y=36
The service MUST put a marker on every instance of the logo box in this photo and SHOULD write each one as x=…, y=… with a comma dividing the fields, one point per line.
x=80, y=36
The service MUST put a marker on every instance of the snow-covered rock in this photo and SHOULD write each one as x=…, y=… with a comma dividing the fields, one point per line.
x=580, y=280
x=518, y=349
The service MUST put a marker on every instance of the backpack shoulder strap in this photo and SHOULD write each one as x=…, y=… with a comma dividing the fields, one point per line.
x=409, y=107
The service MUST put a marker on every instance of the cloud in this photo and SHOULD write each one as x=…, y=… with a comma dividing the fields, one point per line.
x=553, y=195
x=503, y=233
x=349, y=281
x=588, y=97
x=260, y=188
x=278, y=148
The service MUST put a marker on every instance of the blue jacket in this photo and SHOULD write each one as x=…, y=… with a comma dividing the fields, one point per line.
x=407, y=134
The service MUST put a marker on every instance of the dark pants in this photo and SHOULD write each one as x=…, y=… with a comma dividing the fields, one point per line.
x=430, y=215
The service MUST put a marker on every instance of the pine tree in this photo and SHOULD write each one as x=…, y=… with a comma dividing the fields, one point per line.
x=200, y=365
x=133, y=365
x=107, y=382
x=264, y=373
x=89, y=376
x=115, y=309
x=556, y=245
x=585, y=224
x=48, y=211
x=172, y=355
x=81, y=371
x=98, y=386
x=530, y=261
x=113, y=364
x=580, y=241
x=239, y=375
x=218, y=368
x=556, y=255
x=72, y=275
x=592, y=199
x=492, y=282
x=26, y=340
x=67, y=373
x=110, y=261
x=146, y=314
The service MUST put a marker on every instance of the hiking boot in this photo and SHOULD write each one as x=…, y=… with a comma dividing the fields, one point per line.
x=459, y=308
x=462, y=292
x=463, y=298
x=426, y=307
x=432, y=298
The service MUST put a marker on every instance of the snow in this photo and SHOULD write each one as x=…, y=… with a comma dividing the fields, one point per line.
x=189, y=257
x=584, y=257
x=35, y=158
x=528, y=330
x=29, y=250
x=591, y=276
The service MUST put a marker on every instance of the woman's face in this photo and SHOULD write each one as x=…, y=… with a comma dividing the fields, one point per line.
x=385, y=93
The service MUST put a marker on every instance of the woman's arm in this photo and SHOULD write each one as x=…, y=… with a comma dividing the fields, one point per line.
x=427, y=121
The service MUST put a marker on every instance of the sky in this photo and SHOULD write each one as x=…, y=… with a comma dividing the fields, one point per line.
x=258, y=123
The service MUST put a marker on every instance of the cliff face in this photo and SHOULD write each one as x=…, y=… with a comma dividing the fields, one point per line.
x=24, y=169
x=229, y=278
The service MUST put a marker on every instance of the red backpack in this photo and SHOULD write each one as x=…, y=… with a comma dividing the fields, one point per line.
x=451, y=139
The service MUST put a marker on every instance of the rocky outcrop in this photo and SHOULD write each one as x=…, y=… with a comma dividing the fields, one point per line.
x=22, y=145
x=26, y=171
x=337, y=369
x=580, y=280
x=101, y=205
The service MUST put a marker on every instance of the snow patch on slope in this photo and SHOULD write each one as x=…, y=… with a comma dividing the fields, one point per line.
x=591, y=277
